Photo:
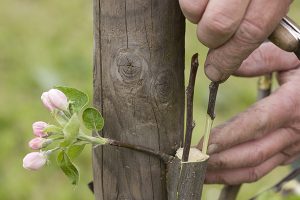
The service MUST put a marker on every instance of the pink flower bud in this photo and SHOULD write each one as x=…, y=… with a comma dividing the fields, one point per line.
x=38, y=143
x=34, y=160
x=58, y=99
x=38, y=129
x=46, y=101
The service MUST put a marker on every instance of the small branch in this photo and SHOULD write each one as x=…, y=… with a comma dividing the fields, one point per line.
x=163, y=156
x=189, y=108
x=264, y=87
x=213, y=90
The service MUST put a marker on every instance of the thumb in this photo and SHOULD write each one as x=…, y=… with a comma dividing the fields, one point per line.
x=265, y=59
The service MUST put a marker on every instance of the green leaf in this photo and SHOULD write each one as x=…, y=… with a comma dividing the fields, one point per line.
x=52, y=129
x=77, y=98
x=92, y=119
x=75, y=150
x=68, y=167
x=71, y=130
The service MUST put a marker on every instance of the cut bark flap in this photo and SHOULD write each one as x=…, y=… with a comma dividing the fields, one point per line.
x=185, y=179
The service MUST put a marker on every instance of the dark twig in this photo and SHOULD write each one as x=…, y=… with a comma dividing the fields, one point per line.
x=189, y=108
x=213, y=90
x=163, y=156
x=264, y=87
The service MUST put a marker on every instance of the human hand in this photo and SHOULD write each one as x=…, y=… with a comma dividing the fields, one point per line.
x=232, y=29
x=267, y=134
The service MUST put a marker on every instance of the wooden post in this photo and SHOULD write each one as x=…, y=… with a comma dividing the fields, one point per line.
x=139, y=87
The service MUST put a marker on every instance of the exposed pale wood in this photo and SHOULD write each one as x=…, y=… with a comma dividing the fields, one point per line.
x=185, y=179
x=139, y=87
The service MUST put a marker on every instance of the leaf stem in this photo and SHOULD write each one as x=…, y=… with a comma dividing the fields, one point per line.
x=94, y=140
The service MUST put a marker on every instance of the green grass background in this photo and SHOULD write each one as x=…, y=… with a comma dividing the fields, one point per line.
x=46, y=43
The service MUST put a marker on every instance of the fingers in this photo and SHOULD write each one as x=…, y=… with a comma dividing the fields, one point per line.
x=244, y=175
x=267, y=58
x=193, y=9
x=260, y=20
x=255, y=152
x=293, y=152
x=263, y=117
x=220, y=21
x=291, y=76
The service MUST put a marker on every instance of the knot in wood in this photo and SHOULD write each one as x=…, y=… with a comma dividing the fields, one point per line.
x=164, y=87
x=129, y=67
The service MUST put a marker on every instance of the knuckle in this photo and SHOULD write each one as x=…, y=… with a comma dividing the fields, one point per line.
x=251, y=32
x=262, y=120
x=258, y=156
x=253, y=175
x=221, y=61
x=218, y=24
x=220, y=163
x=221, y=180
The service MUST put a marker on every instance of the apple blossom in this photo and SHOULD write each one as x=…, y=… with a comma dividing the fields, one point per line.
x=58, y=99
x=34, y=160
x=46, y=101
x=55, y=99
x=38, y=143
x=38, y=129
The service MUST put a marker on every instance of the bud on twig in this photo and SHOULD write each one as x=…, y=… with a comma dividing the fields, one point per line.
x=38, y=129
x=34, y=160
x=55, y=99
x=39, y=143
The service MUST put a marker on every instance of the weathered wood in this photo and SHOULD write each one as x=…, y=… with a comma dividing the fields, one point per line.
x=185, y=179
x=139, y=87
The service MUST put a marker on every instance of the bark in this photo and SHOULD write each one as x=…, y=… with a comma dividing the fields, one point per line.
x=186, y=179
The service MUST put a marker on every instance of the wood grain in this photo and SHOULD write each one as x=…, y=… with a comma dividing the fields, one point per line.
x=139, y=87
x=185, y=179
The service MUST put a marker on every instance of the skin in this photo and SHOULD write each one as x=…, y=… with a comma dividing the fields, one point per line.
x=232, y=29
x=267, y=134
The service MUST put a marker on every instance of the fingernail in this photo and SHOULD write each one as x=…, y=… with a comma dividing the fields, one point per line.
x=212, y=148
x=213, y=73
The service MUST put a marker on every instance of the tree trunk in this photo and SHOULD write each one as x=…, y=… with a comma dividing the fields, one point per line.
x=139, y=87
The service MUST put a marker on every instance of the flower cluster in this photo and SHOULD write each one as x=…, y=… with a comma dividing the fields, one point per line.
x=75, y=121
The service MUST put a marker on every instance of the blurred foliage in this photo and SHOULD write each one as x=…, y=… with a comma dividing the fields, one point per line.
x=47, y=43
